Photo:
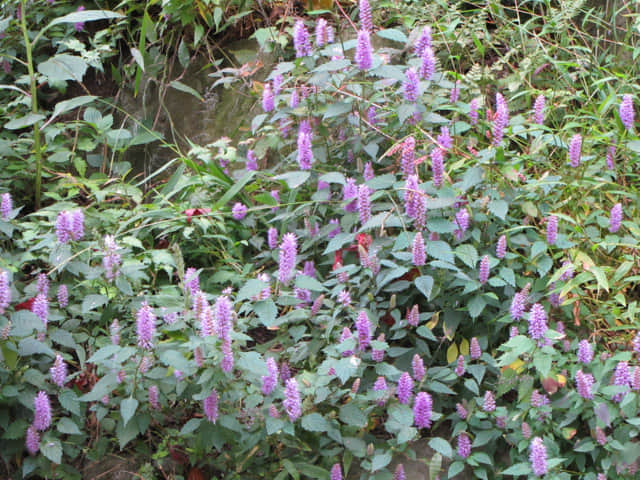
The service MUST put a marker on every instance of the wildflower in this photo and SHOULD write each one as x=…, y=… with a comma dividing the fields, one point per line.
x=501, y=119
x=455, y=92
x=79, y=26
x=601, y=437
x=538, y=399
x=526, y=430
x=277, y=86
x=413, y=316
x=268, y=104
x=473, y=111
x=483, y=272
x=419, y=255
x=378, y=355
x=336, y=472
x=584, y=384
x=408, y=156
x=252, y=161
x=42, y=415
x=363, y=326
x=111, y=260
x=5, y=291
x=210, y=406
x=621, y=377
x=368, y=173
x=461, y=411
x=437, y=166
x=321, y=32
x=422, y=410
x=462, y=220
x=146, y=326
x=513, y=332
x=349, y=192
x=424, y=41
x=273, y=411
x=405, y=387
x=294, y=100
x=537, y=322
x=489, y=402
x=344, y=298
x=114, y=331
x=615, y=218
x=475, y=352
x=626, y=111
x=460, y=368
x=411, y=86
x=399, y=473
x=444, y=139
x=317, y=304
x=364, y=204
x=272, y=238
x=585, y=352
x=428, y=65
x=538, y=109
x=635, y=379
x=207, y=322
x=153, y=397
x=568, y=271
x=59, y=371
x=63, y=226
x=518, y=304
x=574, y=150
x=366, y=22
x=538, y=457
x=40, y=307
x=305, y=154
x=501, y=248
x=414, y=200
x=288, y=252
x=380, y=385
x=6, y=205
x=239, y=211
x=363, y=51
x=611, y=153
x=223, y=317
x=552, y=229
x=301, y=39
x=464, y=445
x=270, y=381
x=32, y=440
x=292, y=403
x=372, y=115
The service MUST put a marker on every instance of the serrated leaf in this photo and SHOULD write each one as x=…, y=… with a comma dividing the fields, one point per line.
x=128, y=408
x=468, y=254
x=380, y=461
x=103, y=387
x=69, y=401
x=441, y=446
x=22, y=122
x=191, y=426
x=476, y=306
x=31, y=346
x=294, y=179
x=126, y=433
x=68, y=426
x=337, y=108
x=600, y=277
x=251, y=288
x=63, y=67
x=393, y=34
x=310, y=283
x=93, y=301
x=314, y=422
x=440, y=250
x=425, y=285
x=351, y=414
x=499, y=208
x=68, y=105
x=518, y=469
x=85, y=16
x=52, y=449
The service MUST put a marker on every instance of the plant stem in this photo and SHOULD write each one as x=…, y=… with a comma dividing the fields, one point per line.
x=34, y=104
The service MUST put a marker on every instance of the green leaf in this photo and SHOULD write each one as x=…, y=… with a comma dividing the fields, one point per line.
x=63, y=67
x=251, y=289
x=499, y=208
x=332, y=66
x=393, y=34
x=126, y=433
x=337, y=108
x=22, y=122
x=175, y=359
x=455, y=468
x=304, y=281
x=25, y=322
x=440, y=250
x=312, y=471
x=351, y=414
x=186, y=89
x=601, y=278
x=69, y=401
x=291, y=469
x=468, y=254
x=103, y=387
x=538, y=248
x=68, y=105
x=191, y=426
x=128, y=408
x=233, y=191
x=31, y=346
x=52, y=449
x=441, y=446
x=518, y=469
x=68, y=426
x=85, y=16
x=380, y=461
x=542, y=363
x=267, y=312
x=93, y=301
x=293, y=179
x=476, y=306
x=425, y=285
x=314, y=422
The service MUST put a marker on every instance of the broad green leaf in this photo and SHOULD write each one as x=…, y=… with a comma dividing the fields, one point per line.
x=68, y=426
x=63, y=67
x=476, y=306
x=441, y=446
x=304, y=281
x=440, y=250
x=31, y=346
x=351, y=414
x=425, y=285
x=52, y=449
x=68, y=105
x=314, y=422
x=499, y=208
x=468, y=254
x=22, y=122
x=85, y=16
x=293, y=179
x=93, y=301
x=517, y=470
x=251, y=289
x=191, y=426
x=392, y=34
x=69, y=401
x=380, y=461
x=128, y=408
x=337, y=108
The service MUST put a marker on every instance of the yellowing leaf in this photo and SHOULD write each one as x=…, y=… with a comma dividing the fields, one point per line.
x=518, y=366
x=452, y=353
x=464, y=347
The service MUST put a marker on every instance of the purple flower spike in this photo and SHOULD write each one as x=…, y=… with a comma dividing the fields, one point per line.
x=63, y=296
x=59, y=371
x=483, y=271
x=363, y=51
x=146, y=326
x=153, y=397
x=501, y=248
x=272, y=238
x=411, y=85
x=475, y=352
x=584, y=384
x=408, y=157
x=364, y=204
x=538, y=110
x=40, y=307
x=405, y=387
x=210, y=406
x=489, y=402
x=32, y=440
x=552, y=229
x=464, y=445
x=437, y=166
x=422, y=410
x=336, y=472
x=301, y=40
x=461, y=411
x=366, y=22
x=424, y=41
x=454, y=96
x=363, y=326
x=626, y=112
x=42, y=416
x=537, y=322
x=575, y=147
x=585, y=352
x=270, y=381
x=413, y=316
x=418, y=250
x=501, y=120
x=428, y=65
x=305, y=154
x=538, y=457
x=43, y=284
x=239, y=211
x=615, y=218
x=350, y=192
x=417, y=366
x=399, y=473
x=368, y=173
x=462, y=220
x=611, y=154
x=114, y=331
x=460, y=367
x=321, y=32
x=292, y=402
x=473, y=111
x=621, y=377
x=6, y=205
x=268, y=104
x=288, y=252
x=444, y=139
x=5, y=291
x=63, y=227
x=77, y=225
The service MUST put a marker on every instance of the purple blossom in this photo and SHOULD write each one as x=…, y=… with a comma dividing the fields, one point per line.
x=272, y=238
x=43, y=284
x=5, y=291
x=464, y=445
x=423, y=41
x=415, y=202
x=626, y=112
x=363, y=51
x=428, y=65
x=63, y=295
x=350, y=192
x=411, y=85
x=79, y=26
x=301, y=40
x=399, y=473
x=335, y=231
x=153, y=397
x=294, y=100
x=519, y=303
x=537, y=321
x=114, y=331
x=207, y=322
x=191, y=281
x=270, y=381
x=501, y=248
x=568, y=272
x=437, y=166
x=462, y=220
x=223, y=310
x=285, y=373
x=278, y=80
x=252, y=161
x=584, y=384
x=585, y=352
x=321, y=32
x=615, y=218
x=372, y=115
x=42, y=415
x=405, y=387
x=32, y=440
x=444, y=139
x=40, y=307
x=63, y=226
x=538, y=399
x=364, y=204
x=268, y=104
x=621, y=377
x=538, y=457
x=336, y=472
x=366, y=22
x=538, y=110
x=380, y=385
x=418, y=250
x=460, y=367
x=501, y=119
x=575, y=147
x=317, y=304
x=305, y=154
x=6, y=205
x=344, y=298
x=483, y=271
x=635, y=379
x=454, y=96
x=422, y=410
x=489, y=402
x=210, y=406
x=473, y=111
x=146, y=326
x=288, y=252
x=513, y=332
x=239, y=211
x=417, y=366
x=363, y=326
x=601, y=437
x=413, y=316
x=611, y=153
x=552, y=229
x=59, y=371
x=461, y=411
x=368, y=173
x=378, y=355
x=292, y=402
x=111, y=260
x=526, y=430
x=77, y=225
x=475, y=352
